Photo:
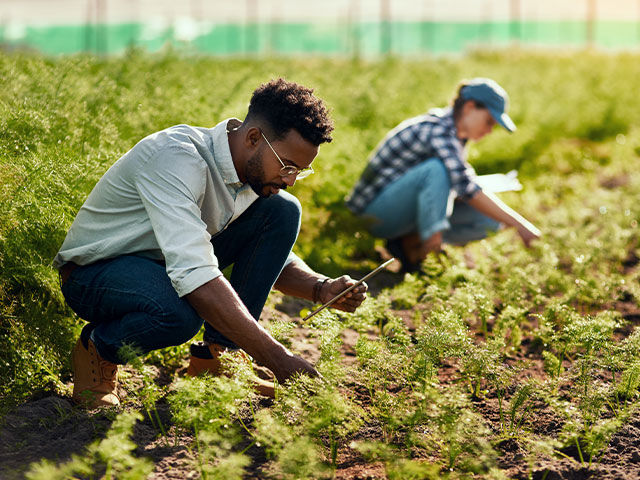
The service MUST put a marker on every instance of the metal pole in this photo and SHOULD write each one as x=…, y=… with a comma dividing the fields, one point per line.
x=385, y=27
x=101, y=27
x=353, y=28
x=426, y=27
x=515, y=25
x=485, y=30
x=273, y=29
x=88, y=27
x=638, y=24
x=590, y=27
x=251, y=27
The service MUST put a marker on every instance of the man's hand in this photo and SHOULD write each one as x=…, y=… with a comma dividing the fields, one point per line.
x=220, y=306
x=351, y=300
x=290, y=365
x=298, y=280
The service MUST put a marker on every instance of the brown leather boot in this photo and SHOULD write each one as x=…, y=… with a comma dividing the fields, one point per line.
x=94, y=378
x=205, y=358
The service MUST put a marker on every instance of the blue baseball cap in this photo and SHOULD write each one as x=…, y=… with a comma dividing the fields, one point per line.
x=492, y=96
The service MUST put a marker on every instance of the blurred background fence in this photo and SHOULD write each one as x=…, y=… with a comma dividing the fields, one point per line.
x=330, y=27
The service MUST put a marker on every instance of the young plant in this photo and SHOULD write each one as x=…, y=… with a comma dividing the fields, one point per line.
x=588, y=439
x=318, y=409
x=470, y=302
x=150, y=393
x=460, y=435
x=520, y=406
x=397, y=466
x=478, y=361
x=112, y=455
x=509, y=326
x=383, y=365
x=500, y=378
x=210, y=406
x=629, y=352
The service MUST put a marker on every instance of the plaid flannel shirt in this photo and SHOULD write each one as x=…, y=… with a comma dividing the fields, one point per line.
x=432, y=135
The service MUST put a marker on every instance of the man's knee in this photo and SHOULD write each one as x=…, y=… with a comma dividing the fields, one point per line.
x=180, y=323
x=285, y=212
x=287, y=205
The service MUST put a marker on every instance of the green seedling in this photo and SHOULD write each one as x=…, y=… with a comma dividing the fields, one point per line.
x=520, y=407
x=113, y=455
x=210, y=406
x=66, y=120
x=150, y=393
x=478, y=361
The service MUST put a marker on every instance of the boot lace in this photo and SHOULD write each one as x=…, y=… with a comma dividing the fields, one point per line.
x=109, y=372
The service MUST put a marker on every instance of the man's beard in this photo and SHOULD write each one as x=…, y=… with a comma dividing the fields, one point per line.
x=255, y=177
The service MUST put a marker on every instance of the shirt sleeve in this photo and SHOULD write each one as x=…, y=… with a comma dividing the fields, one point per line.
x=291, y=258
x=170, y=185
x=461, y=175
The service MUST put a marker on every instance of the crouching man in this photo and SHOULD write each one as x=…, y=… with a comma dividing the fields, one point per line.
x=142, y=260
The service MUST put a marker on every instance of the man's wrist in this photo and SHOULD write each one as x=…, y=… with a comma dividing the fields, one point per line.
x=317, y=289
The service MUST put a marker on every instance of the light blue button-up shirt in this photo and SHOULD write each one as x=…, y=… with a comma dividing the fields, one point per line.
x=163, y=199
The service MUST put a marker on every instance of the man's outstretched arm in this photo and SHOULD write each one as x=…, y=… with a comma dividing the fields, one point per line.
x=219, y=305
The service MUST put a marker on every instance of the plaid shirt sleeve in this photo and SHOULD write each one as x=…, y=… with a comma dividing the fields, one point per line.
x=449, y=149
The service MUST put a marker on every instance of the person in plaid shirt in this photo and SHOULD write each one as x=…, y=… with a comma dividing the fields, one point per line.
x=408, y=188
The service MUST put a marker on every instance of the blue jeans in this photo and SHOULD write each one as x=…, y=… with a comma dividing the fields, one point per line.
x=129, y=300
x=421, y=201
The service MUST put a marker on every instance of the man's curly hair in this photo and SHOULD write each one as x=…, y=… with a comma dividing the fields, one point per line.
x=283, y=106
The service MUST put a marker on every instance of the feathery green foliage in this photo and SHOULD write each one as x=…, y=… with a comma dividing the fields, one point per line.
x=441, y=363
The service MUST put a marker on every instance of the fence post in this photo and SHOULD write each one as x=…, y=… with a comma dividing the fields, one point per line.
x=638, y=24
x=88, y=27
x=101, y=27
x=385, y=27
x=515, y=25
x=251, y=27
x=591, y=20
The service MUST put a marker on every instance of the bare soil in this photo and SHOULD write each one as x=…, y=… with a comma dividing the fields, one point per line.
x=53, y=428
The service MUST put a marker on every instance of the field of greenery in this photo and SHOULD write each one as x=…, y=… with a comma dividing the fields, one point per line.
x=496, y=361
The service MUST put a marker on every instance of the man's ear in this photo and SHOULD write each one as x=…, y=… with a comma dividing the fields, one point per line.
x=253, y=136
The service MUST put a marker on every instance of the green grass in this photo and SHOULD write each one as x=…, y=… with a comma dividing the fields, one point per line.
x=63, y=122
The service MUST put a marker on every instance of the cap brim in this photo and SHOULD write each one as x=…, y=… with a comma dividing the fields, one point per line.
x=504, y=120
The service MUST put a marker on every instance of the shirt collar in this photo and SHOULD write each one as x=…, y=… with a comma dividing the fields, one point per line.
x=446, y=119
x=445, y=115
x=222, y=154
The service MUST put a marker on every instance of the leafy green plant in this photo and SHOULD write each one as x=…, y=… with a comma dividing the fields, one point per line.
x=454, y=423
x=113, y=455
x=210, y=406
x=397, y=466
x=319, y=410
x=509, y=325
x=520, y=406
x=475, y=309
x=478, y=361
x=500, y=378
x=150, y=393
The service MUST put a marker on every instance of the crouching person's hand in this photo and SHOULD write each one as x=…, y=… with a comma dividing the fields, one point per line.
x=292, y=364
x=528, y=233
x=348, y=302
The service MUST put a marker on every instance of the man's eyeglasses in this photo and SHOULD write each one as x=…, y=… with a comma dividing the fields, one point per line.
x=288, y=170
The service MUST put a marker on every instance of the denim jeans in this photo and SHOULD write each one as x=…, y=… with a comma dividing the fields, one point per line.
x=421, y=201
x=129, y=300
